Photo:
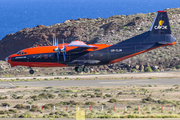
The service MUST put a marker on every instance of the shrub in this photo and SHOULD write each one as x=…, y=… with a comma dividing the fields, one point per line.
x=113, y=100
x=22, y=106
x=93, y=96
x=2, y=98
x=178, y=67
x=90, y=103
x=120, y=93
x=172, y=26
x=156, y=70
x=62, y=95
x=133, y=70
x=4, y=104
x=148, y=99
x=75, y=95
x=108, y=95
x=121, y=71
x=84, y=95
x=26, y=115
x=19, y=97
x=35, y=97
x=33, y=109
x=48, y=106
x=98, y=94
x=12, y=111
x=142, y=28
x=148, y=69
x=43, y=96
x=2, y=112
x=15, y=116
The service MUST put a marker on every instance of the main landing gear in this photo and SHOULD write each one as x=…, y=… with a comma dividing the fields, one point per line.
x=31, y=71
x=80, y=69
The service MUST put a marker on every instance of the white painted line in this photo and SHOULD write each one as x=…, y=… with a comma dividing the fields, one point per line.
x=111, y=82
x=12, y=84
x=25, y=82
x=4, y=84
x=119, y=82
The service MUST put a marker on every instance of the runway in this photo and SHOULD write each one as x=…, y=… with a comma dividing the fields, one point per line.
x=170, y=74
x=92, y=82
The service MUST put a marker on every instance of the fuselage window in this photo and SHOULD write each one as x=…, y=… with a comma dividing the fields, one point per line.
x=45, y=56
x=40, y=56
x=51, y=56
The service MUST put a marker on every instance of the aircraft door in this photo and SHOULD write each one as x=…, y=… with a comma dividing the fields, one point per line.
x=68, y=57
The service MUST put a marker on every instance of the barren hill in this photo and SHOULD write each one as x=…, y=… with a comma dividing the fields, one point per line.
x=110, y=30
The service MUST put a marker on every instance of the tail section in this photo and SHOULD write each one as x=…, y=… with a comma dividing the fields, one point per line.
x=160, y=24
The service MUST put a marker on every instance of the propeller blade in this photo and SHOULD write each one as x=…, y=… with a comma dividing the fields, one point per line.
x=64, y=56
x=57, y=44
x=64, y=51
x=63, y=45
x=57, y=56
x=53, y=41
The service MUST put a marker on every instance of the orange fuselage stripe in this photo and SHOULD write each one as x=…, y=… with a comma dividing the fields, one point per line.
x=49, y=49
x=123, y=58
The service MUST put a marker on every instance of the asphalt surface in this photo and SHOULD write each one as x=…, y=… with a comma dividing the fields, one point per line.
x=92, y=82
x=169, y=74
x=91, y=119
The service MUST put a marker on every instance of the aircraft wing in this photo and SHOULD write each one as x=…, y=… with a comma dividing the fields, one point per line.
x=80, y=46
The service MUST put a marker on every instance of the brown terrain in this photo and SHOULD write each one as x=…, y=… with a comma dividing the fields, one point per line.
x=110, y=31
x=141, y=101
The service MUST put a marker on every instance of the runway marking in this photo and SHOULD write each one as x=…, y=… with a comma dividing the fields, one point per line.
x=11, y=84
x=111, y=82
x=25, y=82
x=4, y=84
x=137, y=80
x=122, y=82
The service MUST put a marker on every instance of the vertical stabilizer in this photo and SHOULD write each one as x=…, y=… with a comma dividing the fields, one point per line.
x=160, y=24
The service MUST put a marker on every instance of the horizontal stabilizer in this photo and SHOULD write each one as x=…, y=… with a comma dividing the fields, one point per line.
x=163, y=43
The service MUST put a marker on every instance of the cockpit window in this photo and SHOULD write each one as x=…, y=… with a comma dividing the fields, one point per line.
x=21, y=53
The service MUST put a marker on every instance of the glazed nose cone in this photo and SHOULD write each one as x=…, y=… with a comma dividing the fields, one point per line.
x=6, y=59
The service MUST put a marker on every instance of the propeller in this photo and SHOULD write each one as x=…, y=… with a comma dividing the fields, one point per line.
x=63, y=50
x=57, y=50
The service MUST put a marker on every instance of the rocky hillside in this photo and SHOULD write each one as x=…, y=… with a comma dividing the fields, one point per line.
x=110, y=31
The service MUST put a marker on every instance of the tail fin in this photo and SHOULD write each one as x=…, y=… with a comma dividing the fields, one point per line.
x=160, y=24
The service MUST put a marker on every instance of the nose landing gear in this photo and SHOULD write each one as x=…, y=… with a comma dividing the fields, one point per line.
x=80, y=69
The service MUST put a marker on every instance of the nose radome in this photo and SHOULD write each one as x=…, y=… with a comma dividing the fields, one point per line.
x=6, y=59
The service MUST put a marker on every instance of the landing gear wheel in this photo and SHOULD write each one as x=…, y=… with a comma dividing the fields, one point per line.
x=31, y=71
x=85, y=69
x=78, y=69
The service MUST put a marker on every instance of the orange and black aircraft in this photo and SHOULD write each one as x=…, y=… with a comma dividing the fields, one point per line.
x=81, y=55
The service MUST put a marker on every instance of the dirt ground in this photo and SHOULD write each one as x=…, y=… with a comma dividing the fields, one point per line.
x=139, y=99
